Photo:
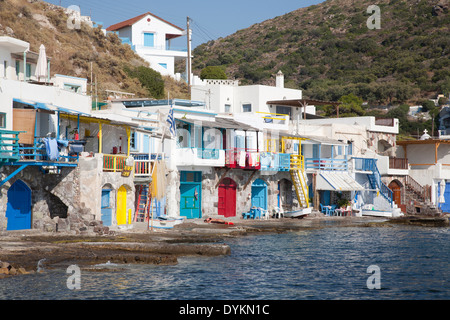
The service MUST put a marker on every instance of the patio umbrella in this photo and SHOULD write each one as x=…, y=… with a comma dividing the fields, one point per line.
x=41, y=67
x=441, y=191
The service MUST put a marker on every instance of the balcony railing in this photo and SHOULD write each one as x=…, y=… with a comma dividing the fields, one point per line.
x=271, y=161
x=326, y=164
x=114, y=163
x=242, y=159
x=9, y=145
x=398, y=163
x=364, y=164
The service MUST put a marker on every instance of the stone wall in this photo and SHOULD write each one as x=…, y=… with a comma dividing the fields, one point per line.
x=243, y=180
x=69, y=200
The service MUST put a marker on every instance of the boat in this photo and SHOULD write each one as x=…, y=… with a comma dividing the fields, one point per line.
x=297, y=213
x=164, y=222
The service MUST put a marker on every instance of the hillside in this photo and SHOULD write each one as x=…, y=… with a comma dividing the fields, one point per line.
x=328, y=51
x=73, y=50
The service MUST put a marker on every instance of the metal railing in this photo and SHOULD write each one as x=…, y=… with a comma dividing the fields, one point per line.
x=422, y=191
x=275, y=161
x=9, y=145
x=326, y=164
x=242, y=158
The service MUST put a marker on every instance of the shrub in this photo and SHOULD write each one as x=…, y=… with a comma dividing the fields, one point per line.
x=213, y=72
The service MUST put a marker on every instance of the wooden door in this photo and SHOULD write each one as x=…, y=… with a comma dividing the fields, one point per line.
x=227, y=198
x=397, y=192
x=121, y=213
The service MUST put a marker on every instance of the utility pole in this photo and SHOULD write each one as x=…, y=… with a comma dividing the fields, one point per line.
x=189, y=62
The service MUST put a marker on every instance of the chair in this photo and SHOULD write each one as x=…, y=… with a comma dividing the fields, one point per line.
x=323, y=209
x=347, y=211
x=331, y=211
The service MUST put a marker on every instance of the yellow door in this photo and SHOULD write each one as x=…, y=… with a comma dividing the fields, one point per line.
x=122, y=206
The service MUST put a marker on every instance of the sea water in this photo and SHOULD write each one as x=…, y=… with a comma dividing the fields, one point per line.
x=331, y=263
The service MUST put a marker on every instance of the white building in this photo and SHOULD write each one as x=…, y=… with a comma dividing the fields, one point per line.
x=227, y=96
x=151, y=37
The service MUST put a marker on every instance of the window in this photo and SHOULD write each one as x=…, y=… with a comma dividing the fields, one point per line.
x=164, y=65
x=149, y=39
x=2, y=120
x=72, y=87
x=285, y=110
x=227, y=107
x=247, y=107
x=133, y=140
x=28, y=74
x=17, y=68
x=5, y=66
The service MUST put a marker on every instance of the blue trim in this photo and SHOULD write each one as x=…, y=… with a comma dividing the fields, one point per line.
x=71, y=77
x=195, y=111
x=23, y=166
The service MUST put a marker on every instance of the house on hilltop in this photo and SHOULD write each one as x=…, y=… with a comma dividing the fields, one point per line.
x=150, y=37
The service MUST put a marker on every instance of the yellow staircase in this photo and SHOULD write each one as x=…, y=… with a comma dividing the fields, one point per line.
x=297, y=172
x=299, y=179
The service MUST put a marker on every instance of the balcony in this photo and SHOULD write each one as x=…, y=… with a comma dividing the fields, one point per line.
x=398, y=163
x=114, y=163
x=326, y=164
x=9, y=146
x=243, y=159
x=200, y=157
x=271, y=161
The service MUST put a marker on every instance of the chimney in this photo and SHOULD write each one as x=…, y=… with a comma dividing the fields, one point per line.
x=280, y=80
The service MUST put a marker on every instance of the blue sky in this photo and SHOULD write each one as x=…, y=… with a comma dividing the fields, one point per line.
x=211, y=19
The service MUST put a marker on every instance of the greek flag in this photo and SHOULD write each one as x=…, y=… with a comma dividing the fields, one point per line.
x=171, y=121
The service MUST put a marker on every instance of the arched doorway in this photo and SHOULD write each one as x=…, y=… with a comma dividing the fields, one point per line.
x=259, y=194
x=227, y=198
x=18, y=208
x=121, y=210
x=396, y=188
x=285, y=195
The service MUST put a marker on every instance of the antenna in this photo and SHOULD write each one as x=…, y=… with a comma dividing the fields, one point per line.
x=189, y=62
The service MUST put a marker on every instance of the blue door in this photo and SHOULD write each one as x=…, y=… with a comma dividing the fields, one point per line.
x=146, y=149
x=445, y=207
x=149, y=39
x=326, y=198
x=106, y=209
x=190, y=194
x=259, y=194
x=18, y=208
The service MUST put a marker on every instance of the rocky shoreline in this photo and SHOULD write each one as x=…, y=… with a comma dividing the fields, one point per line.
x=22, y=251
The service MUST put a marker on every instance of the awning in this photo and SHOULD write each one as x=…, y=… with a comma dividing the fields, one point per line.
x=48, y=107
x=337, y=181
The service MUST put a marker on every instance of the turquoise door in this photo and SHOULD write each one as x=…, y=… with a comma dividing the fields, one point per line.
x=18, y=208
x=190, y=194
x=259, y=194
x=106, y=209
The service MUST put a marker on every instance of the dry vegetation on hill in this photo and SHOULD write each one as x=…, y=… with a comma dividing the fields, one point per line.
x=73, y=51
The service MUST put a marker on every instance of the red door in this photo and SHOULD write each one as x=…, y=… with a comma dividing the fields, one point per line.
x=227, y=198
